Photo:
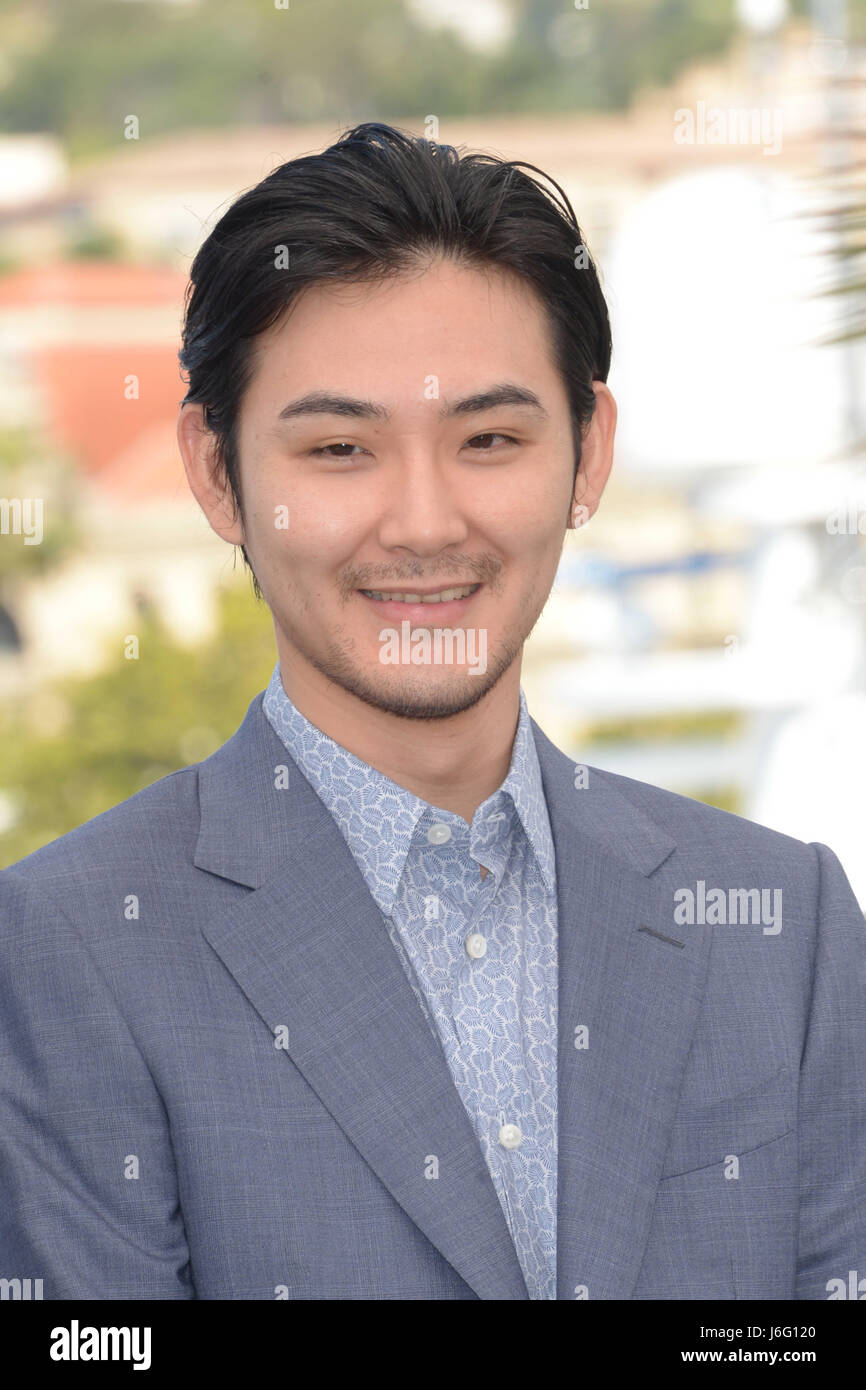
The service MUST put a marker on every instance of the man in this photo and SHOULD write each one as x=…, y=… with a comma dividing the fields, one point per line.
x=389, y=999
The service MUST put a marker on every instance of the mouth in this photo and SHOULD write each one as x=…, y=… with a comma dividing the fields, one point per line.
x=445, y=604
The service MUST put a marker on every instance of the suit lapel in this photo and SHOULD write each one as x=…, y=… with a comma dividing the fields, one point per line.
x=311, y=951
x=636, y=997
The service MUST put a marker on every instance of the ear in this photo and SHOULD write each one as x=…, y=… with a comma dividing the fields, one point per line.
x=211, y=490
x=596, y=457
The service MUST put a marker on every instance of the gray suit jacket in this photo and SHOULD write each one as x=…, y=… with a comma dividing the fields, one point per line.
x=216, y=1083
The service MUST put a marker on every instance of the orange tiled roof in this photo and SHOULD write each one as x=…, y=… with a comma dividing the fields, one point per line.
x=126, y=446
x=90, y=417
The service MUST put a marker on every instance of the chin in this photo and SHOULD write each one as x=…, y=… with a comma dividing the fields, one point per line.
x=434, y=705
x=422, y=697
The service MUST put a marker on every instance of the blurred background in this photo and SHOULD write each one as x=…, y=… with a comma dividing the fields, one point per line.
x=707, y=629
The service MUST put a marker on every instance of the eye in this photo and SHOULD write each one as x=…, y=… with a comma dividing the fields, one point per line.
x=323, y=450
x=490, y=435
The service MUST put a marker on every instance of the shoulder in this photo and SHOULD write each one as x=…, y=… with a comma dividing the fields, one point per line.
x=698, y=826
x=157, y=824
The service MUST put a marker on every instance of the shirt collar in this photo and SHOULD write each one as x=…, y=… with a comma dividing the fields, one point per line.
x=359, y=796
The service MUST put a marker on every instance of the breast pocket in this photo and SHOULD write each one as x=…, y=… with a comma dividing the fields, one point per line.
x=738, y=1125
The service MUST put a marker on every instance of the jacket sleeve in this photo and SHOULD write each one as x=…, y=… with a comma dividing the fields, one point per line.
x=832, y=1099
x=88, y=1189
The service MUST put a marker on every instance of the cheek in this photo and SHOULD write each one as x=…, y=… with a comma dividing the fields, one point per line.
x=307, y=534
x=531, y=531
x=529, y=503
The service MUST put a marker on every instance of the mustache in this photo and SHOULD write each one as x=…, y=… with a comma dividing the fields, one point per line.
x=486, y=568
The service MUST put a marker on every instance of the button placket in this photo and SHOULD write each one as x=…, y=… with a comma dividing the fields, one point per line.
x=457, y=924
x=473, y=968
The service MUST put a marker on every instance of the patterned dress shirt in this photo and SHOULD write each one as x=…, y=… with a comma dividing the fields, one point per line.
x=480, y=953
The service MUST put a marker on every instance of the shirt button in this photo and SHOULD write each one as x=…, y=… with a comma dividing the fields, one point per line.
x=476, y=945
x=439, y=834
x=510, y=1136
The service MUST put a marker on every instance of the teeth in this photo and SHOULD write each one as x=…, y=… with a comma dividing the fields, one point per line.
x=443, y=596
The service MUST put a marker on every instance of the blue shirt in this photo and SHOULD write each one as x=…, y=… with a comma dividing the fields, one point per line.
x=481, y=954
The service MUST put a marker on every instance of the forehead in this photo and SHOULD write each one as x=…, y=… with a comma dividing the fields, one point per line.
x=442, y=319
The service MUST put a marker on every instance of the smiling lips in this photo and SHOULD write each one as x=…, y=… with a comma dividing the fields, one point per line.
x=413, y=596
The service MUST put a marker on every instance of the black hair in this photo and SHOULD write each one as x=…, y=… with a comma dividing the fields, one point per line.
x=370, y=207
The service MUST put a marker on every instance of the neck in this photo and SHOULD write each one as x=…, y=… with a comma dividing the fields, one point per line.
x=454, y=763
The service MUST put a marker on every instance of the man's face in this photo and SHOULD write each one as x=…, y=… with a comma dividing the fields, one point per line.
x=423, y=500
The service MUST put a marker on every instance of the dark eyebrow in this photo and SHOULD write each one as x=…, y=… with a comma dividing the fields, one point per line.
x=324, y=403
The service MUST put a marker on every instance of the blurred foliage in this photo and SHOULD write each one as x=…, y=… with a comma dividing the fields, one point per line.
x=653, y=727
x=78, y=70
x=842, y=215
x=723, y=798
x=95, y=243
x=658, y=729
x=79, y=747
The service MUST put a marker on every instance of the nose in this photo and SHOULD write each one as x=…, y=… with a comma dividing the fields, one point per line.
x=425, y=507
